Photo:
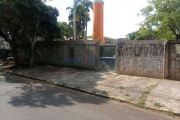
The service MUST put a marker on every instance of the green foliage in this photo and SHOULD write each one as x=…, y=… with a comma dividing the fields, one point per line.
x=66, y=30
x=78, y=87
x=109, y=40
x=164, y=17
x=158, y=105
x=170, y=112
x=127, y=95
x=90, y=36
x=141, y=103
x=49, y=82
x=162, y=21
x=22, y=21
x=82, y=16
x=134, y=36
x=118, y=100
x=94, y=91
x=105, y=92
x=121, y=87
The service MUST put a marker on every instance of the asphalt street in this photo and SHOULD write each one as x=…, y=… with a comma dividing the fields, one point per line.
x=25, y=99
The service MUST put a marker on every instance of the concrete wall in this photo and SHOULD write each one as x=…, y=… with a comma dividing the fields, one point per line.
x=172, y=64
x=141, y=58
x=81, y=54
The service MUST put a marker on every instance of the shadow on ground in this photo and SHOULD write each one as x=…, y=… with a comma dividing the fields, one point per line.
x=26, y=92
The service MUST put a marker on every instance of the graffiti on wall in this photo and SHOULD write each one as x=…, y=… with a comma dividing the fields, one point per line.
x=140, y=50
x=141, y=63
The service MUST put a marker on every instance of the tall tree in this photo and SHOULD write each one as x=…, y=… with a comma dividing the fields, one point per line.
x=134, y=36
x=82, y=16
x=21, y=21
x=143, y=33
x=164, y=17
x=89, y=6
x=66, y=30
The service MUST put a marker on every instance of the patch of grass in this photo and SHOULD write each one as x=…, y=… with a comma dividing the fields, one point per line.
x=143, y=99
x=146, y=92
x=170, y=112
x=105, y=92
x=78, y=87
x=49, y=82
x=118, y=100
x=63, y=84
x=158, y=105
x=141, y=103
x=121, y=87
x=127, y=95
x=94, y=91
x=131, y=99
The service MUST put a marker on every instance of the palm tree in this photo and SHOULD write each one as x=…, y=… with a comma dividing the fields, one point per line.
x=82, y=16
x=88, y=5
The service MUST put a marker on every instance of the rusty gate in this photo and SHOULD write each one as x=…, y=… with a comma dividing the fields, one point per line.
x=174, y=60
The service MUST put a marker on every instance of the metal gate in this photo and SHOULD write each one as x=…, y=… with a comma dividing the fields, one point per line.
x=174, y=61
x=107, y=57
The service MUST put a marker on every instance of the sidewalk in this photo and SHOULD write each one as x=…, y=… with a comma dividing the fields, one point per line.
x=154, y=93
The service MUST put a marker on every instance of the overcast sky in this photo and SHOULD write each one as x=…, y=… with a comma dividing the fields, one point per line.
x=120, y=16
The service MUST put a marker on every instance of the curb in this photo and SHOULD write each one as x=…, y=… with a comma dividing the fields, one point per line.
x=64, y=86
x=96, y=94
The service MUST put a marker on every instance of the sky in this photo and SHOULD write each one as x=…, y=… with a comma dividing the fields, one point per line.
x=120, y=16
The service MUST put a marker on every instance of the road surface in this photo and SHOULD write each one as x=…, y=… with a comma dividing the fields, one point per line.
x=25, y=99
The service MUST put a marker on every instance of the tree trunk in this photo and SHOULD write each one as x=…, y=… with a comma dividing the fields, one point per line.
x=15, y=56
x=32, y=54
x=86, y=29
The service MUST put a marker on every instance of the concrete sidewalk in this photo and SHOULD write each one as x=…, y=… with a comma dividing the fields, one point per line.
x=149, y=92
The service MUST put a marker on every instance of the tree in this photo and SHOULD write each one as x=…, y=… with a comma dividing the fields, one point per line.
x=164, y=17
x=21, y=21
x=66, y=30
x=109, y=40
x=82, y=16
x=134, y=36
x=88, y=5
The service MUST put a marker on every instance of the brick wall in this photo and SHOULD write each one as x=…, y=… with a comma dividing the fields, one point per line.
x=141, y=58
x=81, y=54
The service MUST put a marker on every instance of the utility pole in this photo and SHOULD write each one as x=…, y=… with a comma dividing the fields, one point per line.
x=85, y=37
x=74, y=20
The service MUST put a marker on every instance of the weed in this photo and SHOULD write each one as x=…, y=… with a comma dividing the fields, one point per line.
x=141, y=103
x=170, y=112
x=78, y=87
x=158, y=105
x=146, y=92
x=121, y=87
x=94, y=91
x=49, y=82
x=105, y=92
x=63, y=84
x=118, y=100
x=131, y=99
x=127, y=95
